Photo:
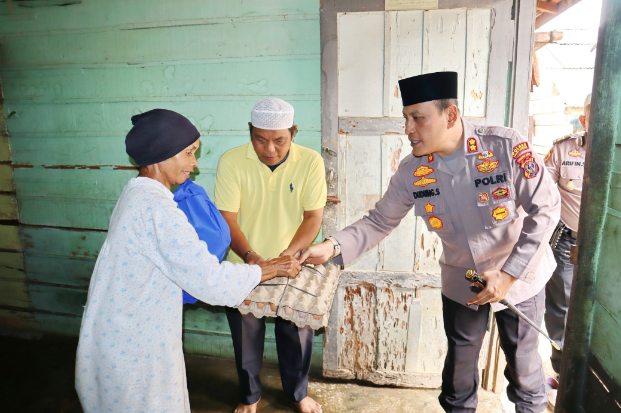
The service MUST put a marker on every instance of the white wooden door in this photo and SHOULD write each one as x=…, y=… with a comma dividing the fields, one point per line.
x=386, y=323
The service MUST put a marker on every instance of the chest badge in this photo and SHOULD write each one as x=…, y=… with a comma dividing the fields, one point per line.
x=485, y=155
x=500, y=213
x=473, y=146
x=483, y=197
x=435, y=222
x=548, y=156
x=575, y=153
x=422, y=171
x=424, y=181
x=501, y=193
x=429, y=208
x=571, y=186
x=430, y=158
x=487, y=166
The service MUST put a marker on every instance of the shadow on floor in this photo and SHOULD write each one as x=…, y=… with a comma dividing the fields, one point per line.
x=38, y=377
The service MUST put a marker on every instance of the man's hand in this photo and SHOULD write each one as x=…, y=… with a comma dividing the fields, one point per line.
x=498, y=285
x=254, y=259
x=316, y=254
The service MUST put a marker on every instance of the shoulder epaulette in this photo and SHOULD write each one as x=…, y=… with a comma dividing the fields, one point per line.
x=499, y=131
x=564, y=138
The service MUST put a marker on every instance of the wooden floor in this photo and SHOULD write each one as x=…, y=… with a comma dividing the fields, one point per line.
x=38, y=376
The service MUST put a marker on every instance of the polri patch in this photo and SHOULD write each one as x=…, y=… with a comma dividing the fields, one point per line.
x=487, y=166
x=501, y=193
x=575, y=153
x=424, y=181
x=492, y=180
x=524, y=157
x=435, y=222
x=483, y=197
x=422, y=171
x=473, y=146
x=485, y=155
x=517, y=149
x=531, y=169
x=429, y=208
x=500, y=213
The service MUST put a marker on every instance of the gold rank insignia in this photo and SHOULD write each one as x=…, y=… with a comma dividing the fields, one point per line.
x=485, y=155
x=422, y=171
x=435, y=222
x=575, y=152
x=547, y=156
x=487, y=166
x=429, y=208
x=517, y=149
x=424, y=181
x=483, y=197
x=570, y=185
x=473, y=146
x=430, y=158
x=500, y=213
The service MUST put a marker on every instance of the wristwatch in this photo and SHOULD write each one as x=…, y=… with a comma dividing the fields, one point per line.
x=337, y=246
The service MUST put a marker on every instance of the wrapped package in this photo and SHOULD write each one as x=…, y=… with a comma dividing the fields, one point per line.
x=306, y=300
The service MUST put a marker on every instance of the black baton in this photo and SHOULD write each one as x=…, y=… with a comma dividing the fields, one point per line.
x=472, y=276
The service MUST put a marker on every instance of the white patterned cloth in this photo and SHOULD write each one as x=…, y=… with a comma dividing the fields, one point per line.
x=130, y=353
x=272, y=114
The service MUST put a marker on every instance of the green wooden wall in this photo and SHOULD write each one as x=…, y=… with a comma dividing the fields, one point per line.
x=73, y=76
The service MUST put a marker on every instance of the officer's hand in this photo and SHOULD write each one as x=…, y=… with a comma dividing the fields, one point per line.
x=316, y=254
x=498, y=285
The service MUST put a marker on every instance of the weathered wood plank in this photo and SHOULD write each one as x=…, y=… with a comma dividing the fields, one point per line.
x=115, y=117
x=432, y=343
x=9, y=238
x=57, y=270
x=371, y=126
x=406, y=54
x=5, y=150
x=23, y=320
x=444, y=45
x=477, y=61
x=605, y=336
x=287, y=79
x=57, y=299
x=383, y=279
x=6, y=178
x=141, y=13
x=8, y=207
x=12, y=266
x=361, y=64
x=608, y=276
x=58, y=324
x=60, y=243
x=14, y=293
x=428, y=249
x=393, y=307
x=226, y=41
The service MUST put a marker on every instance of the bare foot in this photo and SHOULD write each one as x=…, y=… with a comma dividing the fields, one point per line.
x=244, y=408
x=308, y=405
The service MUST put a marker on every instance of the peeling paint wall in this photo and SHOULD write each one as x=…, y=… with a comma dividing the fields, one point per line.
x=73, y=76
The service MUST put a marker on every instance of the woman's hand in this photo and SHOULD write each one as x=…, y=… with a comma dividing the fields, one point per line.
x=280, y=267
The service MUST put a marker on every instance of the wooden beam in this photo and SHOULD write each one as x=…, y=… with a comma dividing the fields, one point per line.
x=561, y=7
x=547, y=7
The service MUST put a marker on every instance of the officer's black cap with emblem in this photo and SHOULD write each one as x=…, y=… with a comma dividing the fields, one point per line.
x=428, y=87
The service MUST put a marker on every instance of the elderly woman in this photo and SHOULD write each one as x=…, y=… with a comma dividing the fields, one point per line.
x=130, y=354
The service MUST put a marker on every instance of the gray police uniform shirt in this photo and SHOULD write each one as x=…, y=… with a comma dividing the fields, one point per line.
x=565, y=162
x=495, y=211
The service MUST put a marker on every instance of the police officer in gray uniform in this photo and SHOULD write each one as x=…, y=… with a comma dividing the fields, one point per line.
x=565, y=162
x=493, y=204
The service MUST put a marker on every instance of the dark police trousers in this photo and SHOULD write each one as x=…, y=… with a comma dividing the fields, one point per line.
x=465, y=330
x=294, y=347
x=558, y=290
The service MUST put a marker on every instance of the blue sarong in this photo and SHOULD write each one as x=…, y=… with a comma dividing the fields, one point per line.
x=206, y=220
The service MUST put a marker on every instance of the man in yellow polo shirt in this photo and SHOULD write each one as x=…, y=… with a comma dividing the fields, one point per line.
x=271, y=192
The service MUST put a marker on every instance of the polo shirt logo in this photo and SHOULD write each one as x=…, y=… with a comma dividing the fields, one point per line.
x=291, y=186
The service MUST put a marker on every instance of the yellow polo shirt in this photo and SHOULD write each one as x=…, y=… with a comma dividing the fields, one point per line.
x=270, y=205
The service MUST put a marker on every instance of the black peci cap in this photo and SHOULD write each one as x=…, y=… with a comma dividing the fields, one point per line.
x=428, y=87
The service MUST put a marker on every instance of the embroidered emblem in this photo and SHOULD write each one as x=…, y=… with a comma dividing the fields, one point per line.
x=483, y=197
x=473, y=146
x=575, y=152
x=422, y=171
x=500, y=213
x=570, y=185
x=524, y=157
x=424, y=181
x=429, y=208
x=531, y=169
x=487, y=166
x=291, y=186
x=436, y=222
x=547, y=156
x=501, y=193
x=430, y=158
x=490, y=180
x=485, y=155
x=517, y=149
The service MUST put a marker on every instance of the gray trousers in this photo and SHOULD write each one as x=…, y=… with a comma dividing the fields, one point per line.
x=558, y=290
x=295, y=352
x=465, y=330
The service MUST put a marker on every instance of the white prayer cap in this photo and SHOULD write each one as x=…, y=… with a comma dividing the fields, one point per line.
x=272, y=114
x=587, y=102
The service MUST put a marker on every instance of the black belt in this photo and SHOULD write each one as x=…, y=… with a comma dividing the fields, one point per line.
x=558, y=232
